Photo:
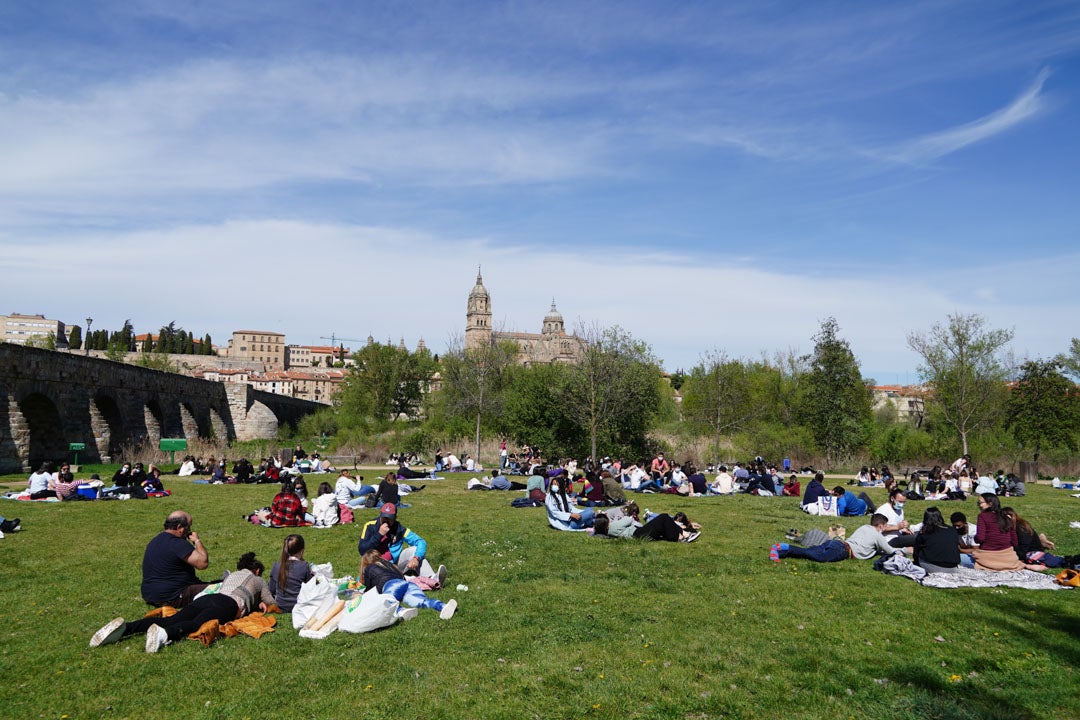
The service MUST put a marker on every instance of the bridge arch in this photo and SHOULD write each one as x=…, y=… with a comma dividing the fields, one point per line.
x=107, y=426
x=39, y=430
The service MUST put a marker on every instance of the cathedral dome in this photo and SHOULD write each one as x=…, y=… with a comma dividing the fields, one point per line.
x=479, y=291
x=553, y=316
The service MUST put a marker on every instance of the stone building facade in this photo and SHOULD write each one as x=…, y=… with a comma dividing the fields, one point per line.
x=551, y=345
x=258, y=346
x=18, y=328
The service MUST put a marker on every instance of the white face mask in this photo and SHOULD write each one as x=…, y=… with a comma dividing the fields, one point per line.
x=554, y=487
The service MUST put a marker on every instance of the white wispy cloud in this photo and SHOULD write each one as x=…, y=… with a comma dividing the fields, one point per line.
x=397, y=282
x=939, y=144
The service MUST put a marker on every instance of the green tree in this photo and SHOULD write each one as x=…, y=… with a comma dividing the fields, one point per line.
x=473, y=380
x=153, y=361
x=614, y=391
x=718, y=396
x=207, y=347
x=531, y=410
x=75, y=338
x=1070, y=361
x=962, y=362
x=835, y=403
x=115, y=351
x=385, y=383
x=1043, y=408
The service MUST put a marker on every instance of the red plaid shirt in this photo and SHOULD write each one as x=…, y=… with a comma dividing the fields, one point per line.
x=286, y=510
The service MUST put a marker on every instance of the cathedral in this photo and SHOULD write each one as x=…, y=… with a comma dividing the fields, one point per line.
x=550, y=345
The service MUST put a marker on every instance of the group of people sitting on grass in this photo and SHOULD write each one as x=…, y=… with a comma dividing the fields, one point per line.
x=333, y=504
x=1002, y=540
x=393, y=562
x=623, y=521
x=130, y=481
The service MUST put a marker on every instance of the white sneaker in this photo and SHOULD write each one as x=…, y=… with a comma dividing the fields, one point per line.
x=156, y=638
x=448, y=610
x=408, y=613
x=440, y=574
x=110, y=633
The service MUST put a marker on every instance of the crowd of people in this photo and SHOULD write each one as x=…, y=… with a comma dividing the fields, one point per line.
x=592, y=498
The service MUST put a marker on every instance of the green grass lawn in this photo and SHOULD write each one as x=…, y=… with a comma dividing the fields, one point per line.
x=554, y=625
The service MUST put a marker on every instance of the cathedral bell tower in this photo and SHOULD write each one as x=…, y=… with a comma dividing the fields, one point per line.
x=478, y=316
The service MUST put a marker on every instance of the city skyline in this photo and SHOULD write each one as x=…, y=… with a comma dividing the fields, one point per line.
x=707, y=177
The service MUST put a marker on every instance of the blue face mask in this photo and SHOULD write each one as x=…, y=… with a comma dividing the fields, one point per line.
x=899, y=505
x=554, y=487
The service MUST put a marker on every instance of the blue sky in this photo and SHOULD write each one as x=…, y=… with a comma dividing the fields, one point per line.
x=706, y=175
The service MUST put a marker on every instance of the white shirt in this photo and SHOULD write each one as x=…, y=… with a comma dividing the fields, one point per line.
x=894, y=516
x=39, y=481
x=724, y=484
x=188, y=468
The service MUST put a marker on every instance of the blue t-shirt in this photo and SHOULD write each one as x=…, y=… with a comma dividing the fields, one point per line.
x=500, y=483
x=848, y=504
x=165, y=569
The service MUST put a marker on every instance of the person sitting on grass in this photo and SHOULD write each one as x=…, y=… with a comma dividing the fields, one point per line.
x=241, y=593
x=966, y=536
x=351, y=492
x=865, y=543
x=398, y=544
x=1032, y=546
x=792, y=488
x=996, y=536
x=289, y=573
x=324, y=509
x=562, y=513
x=936, y=546
x=384, y=577
x=286, y=509
x=659, y=527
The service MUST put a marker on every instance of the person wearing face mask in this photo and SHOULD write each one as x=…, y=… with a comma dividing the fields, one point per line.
x=897, y=530
x=562, y=513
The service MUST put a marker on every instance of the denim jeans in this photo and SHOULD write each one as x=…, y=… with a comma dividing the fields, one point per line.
x=587, y=517
x=830, y=551
x=410, y=594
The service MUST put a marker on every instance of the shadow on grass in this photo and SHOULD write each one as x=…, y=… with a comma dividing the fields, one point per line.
x=936, y=699
x=1053, y=631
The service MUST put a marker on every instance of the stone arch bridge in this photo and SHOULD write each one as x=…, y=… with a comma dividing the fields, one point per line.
x=50, y=399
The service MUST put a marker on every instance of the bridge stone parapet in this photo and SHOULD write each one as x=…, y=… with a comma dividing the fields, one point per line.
x=50, y=399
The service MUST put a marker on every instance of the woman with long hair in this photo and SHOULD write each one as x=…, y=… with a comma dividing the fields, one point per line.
x=289, y=573
x=937, y=546
x=384, y=577
x=561, y=511
x=996, y=536
x=1032, y=546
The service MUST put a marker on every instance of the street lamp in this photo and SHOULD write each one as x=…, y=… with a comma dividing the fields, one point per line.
x=86, y=338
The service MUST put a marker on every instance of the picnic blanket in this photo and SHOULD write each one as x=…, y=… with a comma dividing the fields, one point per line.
x=964, y=577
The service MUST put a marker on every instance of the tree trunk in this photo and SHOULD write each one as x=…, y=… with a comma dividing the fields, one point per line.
x=476, y=457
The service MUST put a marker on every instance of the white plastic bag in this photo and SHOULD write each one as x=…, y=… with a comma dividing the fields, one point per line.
x=370, y=611
x=316, y=596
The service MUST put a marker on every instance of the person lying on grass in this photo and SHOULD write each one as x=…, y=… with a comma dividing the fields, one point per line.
x=384, y=577
x=241, y=593
x=659, y=527
x=865, y=543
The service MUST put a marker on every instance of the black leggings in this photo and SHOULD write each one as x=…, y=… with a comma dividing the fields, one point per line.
x=190, y=617
x=661, y=527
